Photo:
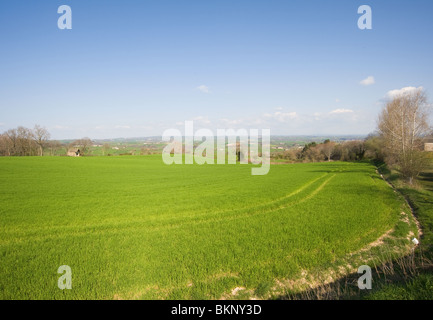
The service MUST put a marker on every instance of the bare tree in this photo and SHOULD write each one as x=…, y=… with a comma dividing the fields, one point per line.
x=5, y=145
x=312, y=152
x=328, y=149
x=403, y=123
x=54, y=146
x=25, y=142
x=41, y=137
x=83, y=144
x=12, y=140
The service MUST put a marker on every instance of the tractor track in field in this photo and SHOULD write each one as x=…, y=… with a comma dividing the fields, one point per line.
x=315, y=279
x=195, y=220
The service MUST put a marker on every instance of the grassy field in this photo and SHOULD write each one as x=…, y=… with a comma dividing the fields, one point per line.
x=133, y=228
x=418, y=283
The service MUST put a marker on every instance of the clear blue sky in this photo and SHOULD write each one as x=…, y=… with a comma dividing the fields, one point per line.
x=135, y=68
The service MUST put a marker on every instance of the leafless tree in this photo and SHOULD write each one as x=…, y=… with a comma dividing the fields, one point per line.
x=403, y=123
x=23, y=141
x=54, y=146
x=328, y=149
x=12, y=140
x=41, y=137
x=83, y=144
x=313, y=154
x=5, y=145
x=27, y=144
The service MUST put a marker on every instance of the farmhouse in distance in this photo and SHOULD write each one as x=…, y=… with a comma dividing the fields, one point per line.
x=74, y=153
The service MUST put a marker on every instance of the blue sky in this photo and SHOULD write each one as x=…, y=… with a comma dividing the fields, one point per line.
x=135, y=68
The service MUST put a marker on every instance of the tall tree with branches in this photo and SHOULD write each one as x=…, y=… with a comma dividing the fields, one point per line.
x=41, y=137
x=403, y=123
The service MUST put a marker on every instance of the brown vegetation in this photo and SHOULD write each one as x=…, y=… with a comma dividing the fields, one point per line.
x=23, y=141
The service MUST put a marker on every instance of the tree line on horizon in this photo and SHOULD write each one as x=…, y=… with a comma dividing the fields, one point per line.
x=326, y=151
x=24, y=141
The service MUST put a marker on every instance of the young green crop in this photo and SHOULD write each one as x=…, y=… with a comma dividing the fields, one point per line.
x=135, y=228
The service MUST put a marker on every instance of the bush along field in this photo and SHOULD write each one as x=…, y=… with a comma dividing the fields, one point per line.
x=135, y=228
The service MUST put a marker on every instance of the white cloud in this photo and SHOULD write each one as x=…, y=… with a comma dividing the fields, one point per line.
x=281, y=116
x=203, y=88
x=230, y=122
x=341, y=111
x=398, y=92
x=122, y=127
x=202, y=120
x=368, y=81
x=59, y=127
x=285, y=116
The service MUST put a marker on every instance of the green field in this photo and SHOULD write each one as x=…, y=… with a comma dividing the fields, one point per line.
x=134, y=228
